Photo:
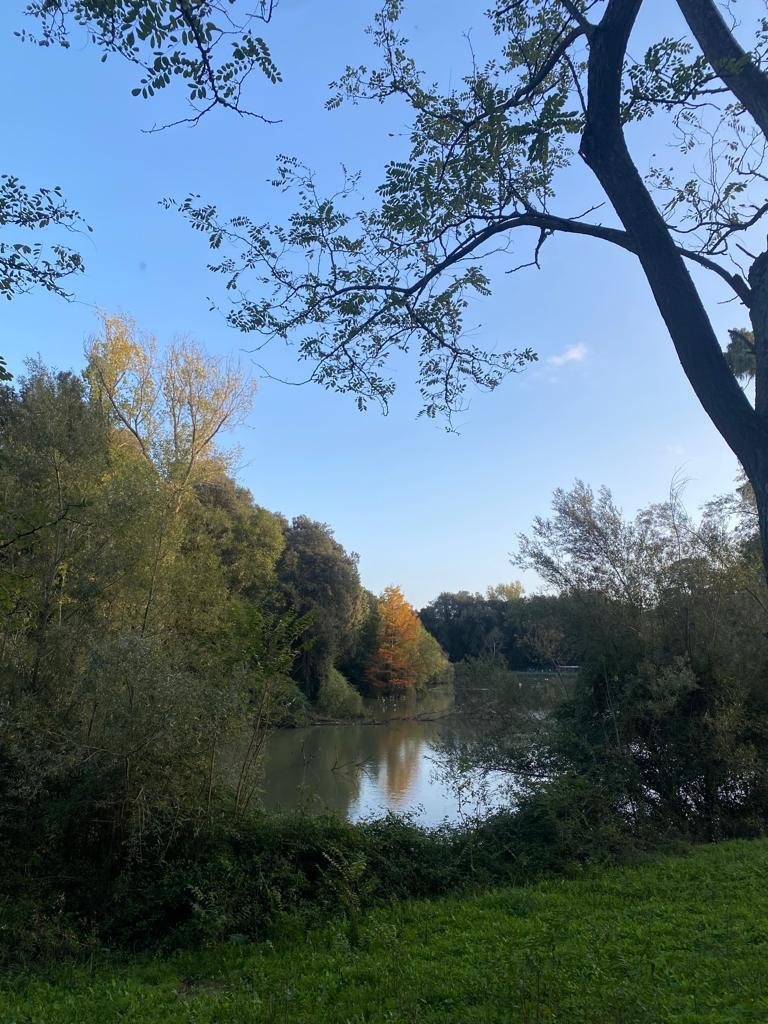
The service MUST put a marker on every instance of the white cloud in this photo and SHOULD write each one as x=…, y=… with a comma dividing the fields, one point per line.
x=573, y=354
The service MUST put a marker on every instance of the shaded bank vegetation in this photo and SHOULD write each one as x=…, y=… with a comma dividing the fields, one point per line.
x=679, y=941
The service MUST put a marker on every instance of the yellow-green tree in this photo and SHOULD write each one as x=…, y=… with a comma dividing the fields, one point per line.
x=171, y=405
x=166, y=411
x=406, y=656
x=141, y=635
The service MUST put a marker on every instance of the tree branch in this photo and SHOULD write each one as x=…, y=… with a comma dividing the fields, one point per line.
x=36, y=529
x=733, y=66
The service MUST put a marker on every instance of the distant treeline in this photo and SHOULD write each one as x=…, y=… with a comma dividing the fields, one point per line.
x=538, y=632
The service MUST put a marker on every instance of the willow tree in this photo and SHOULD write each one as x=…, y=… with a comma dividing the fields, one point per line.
x=486, y=164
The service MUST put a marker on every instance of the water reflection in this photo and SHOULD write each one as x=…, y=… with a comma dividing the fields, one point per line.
x=358, y=770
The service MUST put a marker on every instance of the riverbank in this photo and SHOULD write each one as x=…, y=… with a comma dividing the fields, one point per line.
x=683, y=939
x=433, y=704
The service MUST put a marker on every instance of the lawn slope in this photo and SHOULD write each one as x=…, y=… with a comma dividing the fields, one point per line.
x=683, y=940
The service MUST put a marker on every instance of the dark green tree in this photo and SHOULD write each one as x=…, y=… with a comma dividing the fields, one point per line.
x=117, y=724
x=740, y=354
x=670, y=716
x=524, y=632
x=248, y=538
x=319, y=580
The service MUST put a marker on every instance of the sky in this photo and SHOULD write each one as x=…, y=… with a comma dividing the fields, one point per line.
x=430, y=510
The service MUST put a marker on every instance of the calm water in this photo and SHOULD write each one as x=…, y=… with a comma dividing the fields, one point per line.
x=362, y=770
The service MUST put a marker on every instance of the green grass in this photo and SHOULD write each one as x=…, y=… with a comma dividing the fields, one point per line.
x=683, y=940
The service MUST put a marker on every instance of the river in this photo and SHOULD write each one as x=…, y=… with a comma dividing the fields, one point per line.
x=362, y=769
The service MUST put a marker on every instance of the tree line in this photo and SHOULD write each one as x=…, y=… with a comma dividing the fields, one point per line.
x=155, y=621
x=522, y=632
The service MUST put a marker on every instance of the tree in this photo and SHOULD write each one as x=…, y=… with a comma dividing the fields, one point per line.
x=662, y=730
x=52, y=456
x=432, y=666
x=142, y=640
x=395, y=665
x=466, y=625
x=319, y=580
x=171, y=406
x=404, y=656
x=669, y=710
x=361, y=651
x=505, y=592
x=166, y=410
x=740, y=353
x=523, y=632
x=248, y=539
x=485, y=166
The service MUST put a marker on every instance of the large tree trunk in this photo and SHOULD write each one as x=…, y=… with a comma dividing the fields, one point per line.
x=604, y=149
x=759, y=483
x=757, y=470
x=736, y=69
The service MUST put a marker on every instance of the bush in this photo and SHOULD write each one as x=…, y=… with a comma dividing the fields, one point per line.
x=247, y=879
x=33, y=929
x=274, y=873
x=271, y=876
x=337, y=698
x=290, y=707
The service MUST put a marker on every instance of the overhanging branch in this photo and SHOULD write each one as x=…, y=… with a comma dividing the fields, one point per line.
x=564, y=225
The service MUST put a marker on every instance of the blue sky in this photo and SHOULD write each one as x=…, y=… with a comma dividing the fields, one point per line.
x=432, y=511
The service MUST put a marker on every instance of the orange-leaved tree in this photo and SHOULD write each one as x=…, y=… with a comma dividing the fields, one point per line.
x=394, y=666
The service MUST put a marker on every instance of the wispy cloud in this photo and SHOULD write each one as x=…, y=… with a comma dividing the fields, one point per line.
x=573, y=354
x=677, y=451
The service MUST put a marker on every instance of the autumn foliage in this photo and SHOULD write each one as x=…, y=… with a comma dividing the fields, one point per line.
x=406, y=657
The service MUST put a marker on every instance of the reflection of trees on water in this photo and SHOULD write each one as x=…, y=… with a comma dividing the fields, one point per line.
x=325, y=766
x=400, y=751
x=315, y=769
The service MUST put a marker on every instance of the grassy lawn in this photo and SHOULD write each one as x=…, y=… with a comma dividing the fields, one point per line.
x=683, y=940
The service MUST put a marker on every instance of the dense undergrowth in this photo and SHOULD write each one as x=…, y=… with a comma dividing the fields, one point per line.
x=255, y=878
x=683, y=940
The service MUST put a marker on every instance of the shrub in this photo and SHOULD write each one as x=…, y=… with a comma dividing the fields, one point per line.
x=290, y=707
x=270, y=876
x=337, y=698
